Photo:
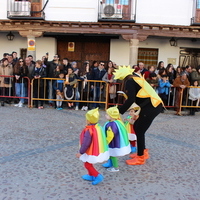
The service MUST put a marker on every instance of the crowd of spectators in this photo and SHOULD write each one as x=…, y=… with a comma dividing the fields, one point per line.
x=68, y=74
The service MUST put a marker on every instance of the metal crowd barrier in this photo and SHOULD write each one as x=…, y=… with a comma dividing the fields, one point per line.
x=9, y=92
x=81, y=95
x=186, y=102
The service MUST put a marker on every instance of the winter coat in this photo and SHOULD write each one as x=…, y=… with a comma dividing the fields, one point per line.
x=6, y=71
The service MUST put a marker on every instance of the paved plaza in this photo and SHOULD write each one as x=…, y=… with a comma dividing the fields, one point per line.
x=38, y=162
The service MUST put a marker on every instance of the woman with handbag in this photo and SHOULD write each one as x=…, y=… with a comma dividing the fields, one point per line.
x=5, y=82
x=70, y=85
x=20, y=70
x=109, y=78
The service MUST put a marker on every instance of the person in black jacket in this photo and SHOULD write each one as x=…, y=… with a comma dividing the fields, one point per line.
x=38, y=73
x=20, y=71
x=50, y=70
x=140, y=92
x=97, y=87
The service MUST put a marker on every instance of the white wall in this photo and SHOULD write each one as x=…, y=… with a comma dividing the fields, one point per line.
x=76, y=10
x=119, y=51
x=177, y=12
x=3, y=9
x=43, y=45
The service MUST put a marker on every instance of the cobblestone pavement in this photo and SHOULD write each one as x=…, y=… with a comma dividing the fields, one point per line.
x=38, y=162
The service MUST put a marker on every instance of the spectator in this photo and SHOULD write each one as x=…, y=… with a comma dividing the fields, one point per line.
x=163, y=89
x=50, y=70
x=77, y=72
x=188, y=70
x=70, y=84
x=109, y=78
x=66, y=65
x=5, y=82
x=161, y=72
x=194, y=96
x=109, y=65
x=170, y=73
x=97, y=87
x=142, y=68
x=30, y=66
x=38, y=84
x=151, y=69
x=85, y=76
x=20, y=71
x=58, y=87
x=31, y=58
x=15, y=58
x=180, y=83
x=195, y=75
x=160, y=66
x=178, y=71
x=153, y=80
x=10, y=59
x=75, y=68
x=94, y=65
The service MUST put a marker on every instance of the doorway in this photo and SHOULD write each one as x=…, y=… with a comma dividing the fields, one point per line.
x=189, y=56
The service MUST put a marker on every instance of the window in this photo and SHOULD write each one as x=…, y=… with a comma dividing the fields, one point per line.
x=198, y=4
x=110, y=1
x=148, y=56
x=124, y=2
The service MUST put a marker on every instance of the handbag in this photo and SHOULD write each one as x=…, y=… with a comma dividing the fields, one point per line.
x=7, y=80
x=112, y=89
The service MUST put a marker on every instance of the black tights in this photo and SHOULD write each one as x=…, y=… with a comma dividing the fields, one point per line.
x=146, y=117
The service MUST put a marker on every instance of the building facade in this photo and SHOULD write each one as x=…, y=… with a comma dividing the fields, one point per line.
x=124, y=31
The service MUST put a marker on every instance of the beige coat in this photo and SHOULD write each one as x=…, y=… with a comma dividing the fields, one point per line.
x=7, y=71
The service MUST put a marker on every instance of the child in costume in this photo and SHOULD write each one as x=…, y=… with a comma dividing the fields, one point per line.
x=134, y=111
x=117, y=138
x=94, y=147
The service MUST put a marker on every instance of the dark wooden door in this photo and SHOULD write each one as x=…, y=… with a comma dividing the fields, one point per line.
x=85, y=48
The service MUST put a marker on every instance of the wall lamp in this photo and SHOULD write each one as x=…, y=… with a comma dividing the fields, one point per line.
x=10, y=36
x=173, y=42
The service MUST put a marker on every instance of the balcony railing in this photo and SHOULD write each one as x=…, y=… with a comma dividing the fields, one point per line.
x=22, y=10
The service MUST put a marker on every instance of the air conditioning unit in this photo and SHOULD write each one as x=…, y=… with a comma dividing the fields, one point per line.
x=20, y=8
x=111, y=11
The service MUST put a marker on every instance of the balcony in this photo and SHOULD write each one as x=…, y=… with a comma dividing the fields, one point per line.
x=24, y=9
x=195, y=20
x=116, y=10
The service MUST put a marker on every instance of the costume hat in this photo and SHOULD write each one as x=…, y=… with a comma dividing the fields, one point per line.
x=113, y=112
x=122, y=72
x=92, y=116
x=135, y=107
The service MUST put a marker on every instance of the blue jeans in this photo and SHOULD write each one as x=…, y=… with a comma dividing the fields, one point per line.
x=97, y=92
x=77, y=96
x=20, y=91
x=50, y=90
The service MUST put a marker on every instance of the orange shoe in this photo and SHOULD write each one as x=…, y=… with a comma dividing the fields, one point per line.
x=138, y=160
x=146, y=154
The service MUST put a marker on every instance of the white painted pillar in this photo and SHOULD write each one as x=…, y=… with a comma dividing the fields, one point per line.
x=133, y=52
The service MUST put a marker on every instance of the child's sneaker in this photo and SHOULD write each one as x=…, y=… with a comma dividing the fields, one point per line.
x=112, y=169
